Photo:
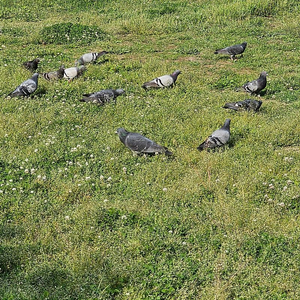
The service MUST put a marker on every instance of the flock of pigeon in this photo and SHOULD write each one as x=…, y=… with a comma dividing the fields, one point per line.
x=135, y=141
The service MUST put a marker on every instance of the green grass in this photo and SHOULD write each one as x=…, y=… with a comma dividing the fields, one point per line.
x=82, y=218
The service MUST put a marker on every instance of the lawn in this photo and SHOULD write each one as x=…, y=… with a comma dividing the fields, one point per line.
x=82, y=217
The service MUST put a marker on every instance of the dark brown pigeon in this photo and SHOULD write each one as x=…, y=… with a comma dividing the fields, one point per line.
x=31, y=65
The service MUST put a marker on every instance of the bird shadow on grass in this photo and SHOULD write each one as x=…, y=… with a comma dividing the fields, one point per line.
x=102, y=62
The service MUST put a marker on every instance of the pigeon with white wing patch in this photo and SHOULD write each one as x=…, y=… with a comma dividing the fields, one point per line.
x=162, y=81
x=90, y=57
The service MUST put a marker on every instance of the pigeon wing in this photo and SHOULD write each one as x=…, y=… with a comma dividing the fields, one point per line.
x=138, y=143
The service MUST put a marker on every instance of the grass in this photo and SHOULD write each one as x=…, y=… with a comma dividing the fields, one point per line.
x=82, y=218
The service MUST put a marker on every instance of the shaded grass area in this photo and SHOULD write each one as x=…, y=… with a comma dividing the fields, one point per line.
x=82, y=218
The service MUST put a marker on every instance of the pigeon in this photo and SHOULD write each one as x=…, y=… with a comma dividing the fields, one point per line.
x=140, y=144
x=232, y=50
x=248, y=104
x=218, y=138
x=55, y=74
x=73, y=72
x=27, y=87
x=255, y=86
x=162, y=81
x=31, y=65
x=90, y=57
x=103, y=96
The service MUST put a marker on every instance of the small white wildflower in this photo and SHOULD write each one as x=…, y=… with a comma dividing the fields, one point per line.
x=101, y=177
x=13, y=189
x=79, y=184
x=31, y=192
x=284, y=188
x=183, y=243
x=1, y=191
x=10, y=180
x=105, y=200
x=67, y=217
x=39, y=176
x=281, y=204
x=87, y=178
x=91, y=156
x=36, y=150
x=170, y=231
x=165, y=189
x=109, y=178
x=124, y=217
x=289, y=181
x=124, y=169
x=217, y=180
x=26, y=171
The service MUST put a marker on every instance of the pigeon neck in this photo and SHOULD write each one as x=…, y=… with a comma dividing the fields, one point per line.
x=175, y=75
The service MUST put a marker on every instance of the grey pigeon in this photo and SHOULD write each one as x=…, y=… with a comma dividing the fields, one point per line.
x=27, y=87
x=218, y=138
x=248, y=104
x=73, y=72
x=90, y=57
x=162, y=81
x=140, y=144
x=232, y=50
x=55, y=74
x=31, y=65
x=255, y=86
x=103, y=96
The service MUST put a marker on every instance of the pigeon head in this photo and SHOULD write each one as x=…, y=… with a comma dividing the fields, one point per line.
x=244, y=44
x=120, y=91
x=122, y=133
x=263, y=73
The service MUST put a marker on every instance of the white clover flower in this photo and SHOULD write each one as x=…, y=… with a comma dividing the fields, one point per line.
x=165, y=189
x=109, y=178
x=67, y=217
x=124, y=217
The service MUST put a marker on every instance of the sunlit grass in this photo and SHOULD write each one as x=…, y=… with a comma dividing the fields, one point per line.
x=83, y=218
